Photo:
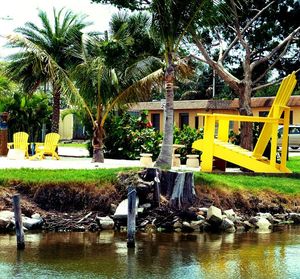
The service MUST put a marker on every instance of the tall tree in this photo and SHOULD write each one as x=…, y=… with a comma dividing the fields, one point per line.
x=244, y=50
x=116, y=70
x=170, y=19
x=35, y=44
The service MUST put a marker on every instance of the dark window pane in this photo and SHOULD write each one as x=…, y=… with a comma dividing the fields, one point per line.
x=155, y=119
x=183, y=119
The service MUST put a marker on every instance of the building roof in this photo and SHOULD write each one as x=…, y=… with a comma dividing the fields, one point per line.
x=212, y=104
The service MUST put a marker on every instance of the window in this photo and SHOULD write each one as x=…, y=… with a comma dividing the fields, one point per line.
x=183, y=119
x=155, y=119
x=197, y=122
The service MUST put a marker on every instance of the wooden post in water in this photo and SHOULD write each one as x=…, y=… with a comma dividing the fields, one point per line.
x=156, y=188
x=131, y=217
x=18, y=222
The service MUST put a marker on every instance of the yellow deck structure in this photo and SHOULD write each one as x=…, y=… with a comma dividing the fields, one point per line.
x=219, y=146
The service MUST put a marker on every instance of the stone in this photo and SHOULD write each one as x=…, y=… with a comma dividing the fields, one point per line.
x=106, y=223
x=295, y=217
x=32, y=223
x=230, y=214
x=196, y=225
x=263, y=224
x=177, y=224
x=248, y=225
x=122, y=209
x=227, y=225
x=214, y=215
x=6, y=219
x=267, y=216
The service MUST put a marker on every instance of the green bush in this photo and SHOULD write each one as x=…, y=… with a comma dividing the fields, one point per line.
x=127, y=136
x=187, y=136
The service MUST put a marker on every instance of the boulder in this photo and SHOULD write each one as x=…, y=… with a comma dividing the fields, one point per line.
x=214, y=216
x=106, y=223
x=230, y=214
x=295, y=217
x=32, y=223
x=6, y=219
x=122, y=209
x=263, y=224
x=227, y=225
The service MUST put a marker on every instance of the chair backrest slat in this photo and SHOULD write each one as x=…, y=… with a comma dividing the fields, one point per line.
x=282, y=97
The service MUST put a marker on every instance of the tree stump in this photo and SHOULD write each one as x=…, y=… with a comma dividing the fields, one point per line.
x=179, y=188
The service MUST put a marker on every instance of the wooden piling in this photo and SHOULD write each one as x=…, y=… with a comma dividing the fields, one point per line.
x=18, y=222
x=156, y=189
x=131, y=217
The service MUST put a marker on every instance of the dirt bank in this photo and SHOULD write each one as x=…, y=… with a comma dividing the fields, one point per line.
x=80, y=198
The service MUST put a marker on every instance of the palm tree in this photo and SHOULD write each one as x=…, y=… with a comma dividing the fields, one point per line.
x=106, y=81
x=32, y=66
x=171, y=19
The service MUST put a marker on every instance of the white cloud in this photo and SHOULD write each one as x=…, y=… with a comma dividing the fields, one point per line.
x=14, y=13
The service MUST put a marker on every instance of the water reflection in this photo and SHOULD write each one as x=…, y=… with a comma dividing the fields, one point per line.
x=105, y=255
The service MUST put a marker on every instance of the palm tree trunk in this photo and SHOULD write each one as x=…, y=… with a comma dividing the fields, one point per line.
x=98, y=136
x=56, y=110
x=164, y=159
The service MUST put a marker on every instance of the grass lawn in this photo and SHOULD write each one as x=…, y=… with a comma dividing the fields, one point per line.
x=288, y=184
x=100, y=176
x=73, y=144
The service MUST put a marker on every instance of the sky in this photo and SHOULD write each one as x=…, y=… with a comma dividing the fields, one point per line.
x=14, y=13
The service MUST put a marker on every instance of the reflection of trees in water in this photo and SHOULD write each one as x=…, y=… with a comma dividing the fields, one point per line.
x=245, y=255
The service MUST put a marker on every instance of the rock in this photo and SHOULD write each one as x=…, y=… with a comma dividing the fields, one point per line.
x=267, y=216
x=32, y=224
x=196, y=225
x=200, y=217
x=230, y=214
x=253, y=220
x=263, y=224
x=113, y=208
x=295, y=217
x=248, y=225
x=214, y=216
x=145, y=205
x=150, y=228
x=227, y=225
x=36, y=216
x=6, y=220
x=122, y=209
x=106, y=223
x=186, y=227
x=177, y=224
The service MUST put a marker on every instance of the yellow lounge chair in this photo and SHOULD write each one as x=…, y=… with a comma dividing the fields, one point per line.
x=47, y=148
x=20, y=141
x=253, y=160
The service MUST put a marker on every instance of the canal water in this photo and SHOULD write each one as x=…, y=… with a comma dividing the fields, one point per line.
x=176, y=255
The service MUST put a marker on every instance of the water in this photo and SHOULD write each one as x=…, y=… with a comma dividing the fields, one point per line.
x=105, y=255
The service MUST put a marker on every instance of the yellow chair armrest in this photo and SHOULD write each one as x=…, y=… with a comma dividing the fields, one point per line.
x=242, y=118
x=37, y=144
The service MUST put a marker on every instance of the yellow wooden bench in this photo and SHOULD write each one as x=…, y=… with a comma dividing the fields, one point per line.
x=253, y=160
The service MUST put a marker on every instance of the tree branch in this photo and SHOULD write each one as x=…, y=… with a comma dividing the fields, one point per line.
x=267, y=84
x=244, y=29
x=273, y=64
x=276, y=49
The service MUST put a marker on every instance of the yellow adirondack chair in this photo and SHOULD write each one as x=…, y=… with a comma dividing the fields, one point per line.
x=20, y=141
x=219, y=147
x=47, y=148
